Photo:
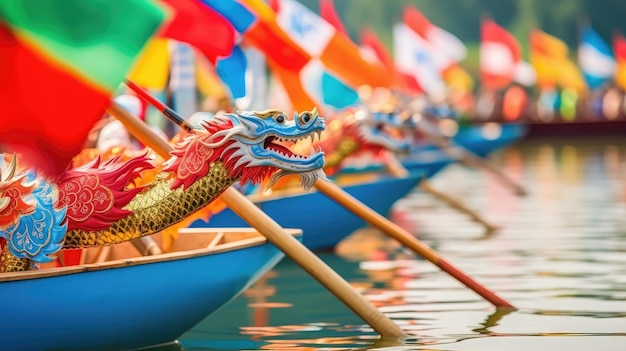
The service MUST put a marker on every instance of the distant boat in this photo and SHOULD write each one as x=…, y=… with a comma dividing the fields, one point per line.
x=428, y=159
x=487, y=138
x=132, y=302
x=324, y=222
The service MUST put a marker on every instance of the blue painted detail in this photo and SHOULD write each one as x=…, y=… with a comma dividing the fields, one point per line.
x=38, y=234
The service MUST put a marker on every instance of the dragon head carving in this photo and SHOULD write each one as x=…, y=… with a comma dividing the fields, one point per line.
x=378, y=130
x=252, y=146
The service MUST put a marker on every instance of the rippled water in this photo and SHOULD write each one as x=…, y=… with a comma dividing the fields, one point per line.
x=560, y=258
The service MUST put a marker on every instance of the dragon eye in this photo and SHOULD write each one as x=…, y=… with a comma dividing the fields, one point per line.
x=305, y=117
x=280, y=118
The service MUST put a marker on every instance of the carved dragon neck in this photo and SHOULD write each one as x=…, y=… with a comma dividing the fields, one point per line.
x=156, y=208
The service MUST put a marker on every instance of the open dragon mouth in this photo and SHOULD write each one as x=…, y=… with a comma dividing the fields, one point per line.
x=385, y=136
x=308, y=167
x=276, y=144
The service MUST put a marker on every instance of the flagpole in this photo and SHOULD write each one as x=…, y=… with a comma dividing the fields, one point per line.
x=274, y=233
x=370, y=216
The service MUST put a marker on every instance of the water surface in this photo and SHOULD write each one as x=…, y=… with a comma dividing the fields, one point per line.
x=560, y=258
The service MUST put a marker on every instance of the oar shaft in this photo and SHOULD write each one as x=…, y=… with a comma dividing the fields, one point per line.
x=373, y=218
x=395, y=167
x=250, y=213
x=275, y=234
x=171, y=114
x=470, y=159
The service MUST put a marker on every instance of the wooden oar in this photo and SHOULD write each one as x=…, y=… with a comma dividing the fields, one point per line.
x=385, y=225
x=395, y=167
x=275, y=234
x=470, y=159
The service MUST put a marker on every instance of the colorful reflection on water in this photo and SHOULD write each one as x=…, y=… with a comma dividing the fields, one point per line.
x=560, y=257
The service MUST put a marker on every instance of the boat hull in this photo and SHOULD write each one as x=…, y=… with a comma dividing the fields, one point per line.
x=483, y=140
x=126, y=307
x=324, y=223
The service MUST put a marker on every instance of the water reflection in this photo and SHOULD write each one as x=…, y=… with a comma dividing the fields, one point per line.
x=559, y=257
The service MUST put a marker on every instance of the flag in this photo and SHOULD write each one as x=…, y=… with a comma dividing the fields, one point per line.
x=199, y=25
x=261, y=34
x=285, y=58
x=595, y=58
x=328, y=13
x=414, y=57
x=326, y=89
x=151, y=71
x=499, y=55
x=267, y=36
x=451, y=47
x=370, y=41
x=619, y=48
x=549, y=56
x=60, y=62
x=319, y=39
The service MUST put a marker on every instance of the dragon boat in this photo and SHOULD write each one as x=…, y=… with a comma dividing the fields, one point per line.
x=123, y=300
x=429, y=159
x=325, y=223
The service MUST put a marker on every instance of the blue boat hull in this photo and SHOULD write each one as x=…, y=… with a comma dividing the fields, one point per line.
x=481, y=141
x=324, y=222
x=125, y=307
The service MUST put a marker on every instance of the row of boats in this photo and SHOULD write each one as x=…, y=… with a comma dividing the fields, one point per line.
x=117, y=298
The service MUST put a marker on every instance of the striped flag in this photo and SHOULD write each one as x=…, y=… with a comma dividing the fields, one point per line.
x=414, y=57
x=320, y=39
x=595, y=58
x=450, y=47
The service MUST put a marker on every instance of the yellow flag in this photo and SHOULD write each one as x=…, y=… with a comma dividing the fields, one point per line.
x=620, y=74
x=549, y=56
x=152, y=69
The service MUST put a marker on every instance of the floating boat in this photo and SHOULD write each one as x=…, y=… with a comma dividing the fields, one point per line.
x=132, y=301
x=324, y=222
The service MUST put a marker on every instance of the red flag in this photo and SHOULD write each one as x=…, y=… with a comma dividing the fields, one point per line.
x=198, y=25
x=328, y=13
x=500, y=54
x=619, y=48
x=370, y=41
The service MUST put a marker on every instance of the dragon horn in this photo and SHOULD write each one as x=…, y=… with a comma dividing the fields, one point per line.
x=314, y=111
x=10, y=169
